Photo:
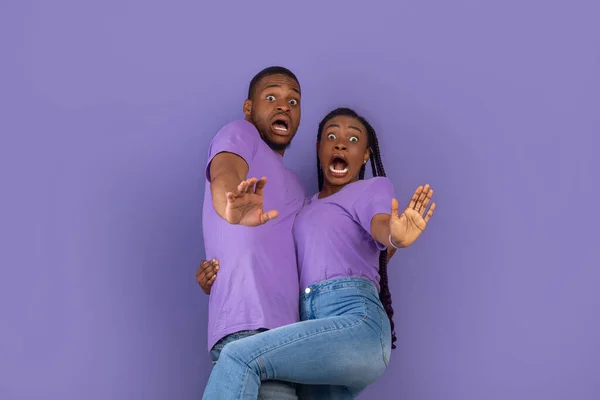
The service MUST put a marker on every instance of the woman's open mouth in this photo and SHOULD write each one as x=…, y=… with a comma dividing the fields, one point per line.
x=338, y=165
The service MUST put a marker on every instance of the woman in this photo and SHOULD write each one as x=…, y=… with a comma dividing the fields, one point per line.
x=344, y=341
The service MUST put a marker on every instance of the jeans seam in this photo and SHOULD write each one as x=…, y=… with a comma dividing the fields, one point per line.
x=243, y=385
x=383, y=332
x=263, y=370
x=358, y=322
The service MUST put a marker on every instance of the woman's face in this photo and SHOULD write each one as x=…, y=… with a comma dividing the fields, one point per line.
x=343, y=150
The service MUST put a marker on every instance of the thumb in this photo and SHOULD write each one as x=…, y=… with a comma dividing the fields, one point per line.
x=269, y=215
x=230, y=197
x=394, y=209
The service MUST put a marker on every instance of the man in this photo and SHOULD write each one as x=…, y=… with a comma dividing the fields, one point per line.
x=257, y=287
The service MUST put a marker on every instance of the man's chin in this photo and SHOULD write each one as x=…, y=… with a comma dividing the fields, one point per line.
x=277, y=144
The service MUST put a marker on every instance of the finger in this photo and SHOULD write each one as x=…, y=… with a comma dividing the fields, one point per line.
x=421, y=198
x=394, y=208
x=415, y=197
x=212, y=271
x=204, y=264
x=426, y=202
x=202, y=268
x=241, y=188
x=260, y=186
x=429, y=213
x=251, y=182
x=207, y=288
x=269, y=215
x=207, y=266
x=230, y=197
x=211, y=281
x=210, y=277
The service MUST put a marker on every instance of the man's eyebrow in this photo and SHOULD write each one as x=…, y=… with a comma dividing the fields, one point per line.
x=275, y=85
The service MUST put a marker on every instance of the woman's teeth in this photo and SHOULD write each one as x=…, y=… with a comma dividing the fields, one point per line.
x=338, y=171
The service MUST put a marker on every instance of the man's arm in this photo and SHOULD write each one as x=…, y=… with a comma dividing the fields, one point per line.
x=227, y=170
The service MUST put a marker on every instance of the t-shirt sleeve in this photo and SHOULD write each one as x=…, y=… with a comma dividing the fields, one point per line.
x=238, y=137
x=375, y=199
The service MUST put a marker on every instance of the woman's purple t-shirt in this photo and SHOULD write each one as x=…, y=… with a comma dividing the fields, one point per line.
x=332, y=234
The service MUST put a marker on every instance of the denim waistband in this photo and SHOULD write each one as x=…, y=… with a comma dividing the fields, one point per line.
x=340, y=283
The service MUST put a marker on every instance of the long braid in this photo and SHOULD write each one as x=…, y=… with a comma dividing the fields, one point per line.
x=377, y=169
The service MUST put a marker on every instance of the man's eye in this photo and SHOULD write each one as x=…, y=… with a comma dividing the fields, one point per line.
x=294, y=102
x=271, y=98
x=331, y=136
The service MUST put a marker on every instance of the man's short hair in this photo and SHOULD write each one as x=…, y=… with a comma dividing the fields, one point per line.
x=275, y=70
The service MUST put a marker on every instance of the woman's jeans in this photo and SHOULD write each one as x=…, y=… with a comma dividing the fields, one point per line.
x=342, y=345
x=269, y=390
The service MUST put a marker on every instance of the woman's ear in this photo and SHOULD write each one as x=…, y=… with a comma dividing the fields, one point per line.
x=367, y=155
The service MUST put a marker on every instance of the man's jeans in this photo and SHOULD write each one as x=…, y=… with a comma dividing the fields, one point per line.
x=344, y=340
x=269, y=390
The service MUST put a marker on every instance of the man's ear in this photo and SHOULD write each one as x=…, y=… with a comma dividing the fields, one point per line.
x=248, y=108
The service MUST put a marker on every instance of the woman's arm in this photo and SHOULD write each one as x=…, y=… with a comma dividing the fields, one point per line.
x=380, y=230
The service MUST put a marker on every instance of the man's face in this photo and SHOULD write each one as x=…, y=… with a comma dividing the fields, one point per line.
x=275, y=110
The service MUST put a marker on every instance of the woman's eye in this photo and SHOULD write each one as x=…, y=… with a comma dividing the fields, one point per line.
x=294, y=102
x=331, y=136
x=354, y=139
x=271, y=98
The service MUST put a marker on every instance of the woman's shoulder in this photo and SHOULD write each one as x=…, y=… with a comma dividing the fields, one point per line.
x=373, y=183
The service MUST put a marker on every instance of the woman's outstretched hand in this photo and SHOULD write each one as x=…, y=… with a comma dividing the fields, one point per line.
x=245, y=205
x=408, y=226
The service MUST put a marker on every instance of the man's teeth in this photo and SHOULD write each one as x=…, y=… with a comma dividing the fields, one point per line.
x=338, y=171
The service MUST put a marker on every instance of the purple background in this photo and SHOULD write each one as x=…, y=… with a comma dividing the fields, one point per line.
x=107, y=110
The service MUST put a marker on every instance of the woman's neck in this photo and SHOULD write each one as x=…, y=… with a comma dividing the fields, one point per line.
x=330, y=189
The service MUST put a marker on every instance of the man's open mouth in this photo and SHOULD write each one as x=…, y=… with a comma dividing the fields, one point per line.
x=338, y=165
x=280, y=125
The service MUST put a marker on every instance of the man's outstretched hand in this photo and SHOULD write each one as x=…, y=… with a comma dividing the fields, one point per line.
x=245, y=205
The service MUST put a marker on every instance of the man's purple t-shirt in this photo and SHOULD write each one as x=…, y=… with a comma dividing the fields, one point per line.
x=333, y=234
x=257, y=284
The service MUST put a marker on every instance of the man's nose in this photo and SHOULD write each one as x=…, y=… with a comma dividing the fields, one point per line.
x=283, y=107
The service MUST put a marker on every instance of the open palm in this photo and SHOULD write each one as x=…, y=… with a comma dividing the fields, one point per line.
x=245, y=205
x=408, y=226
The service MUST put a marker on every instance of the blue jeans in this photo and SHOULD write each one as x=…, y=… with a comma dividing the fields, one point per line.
x=342, y=345
x=269, y=390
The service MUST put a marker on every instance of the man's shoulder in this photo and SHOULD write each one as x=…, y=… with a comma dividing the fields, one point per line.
x=238, y=128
